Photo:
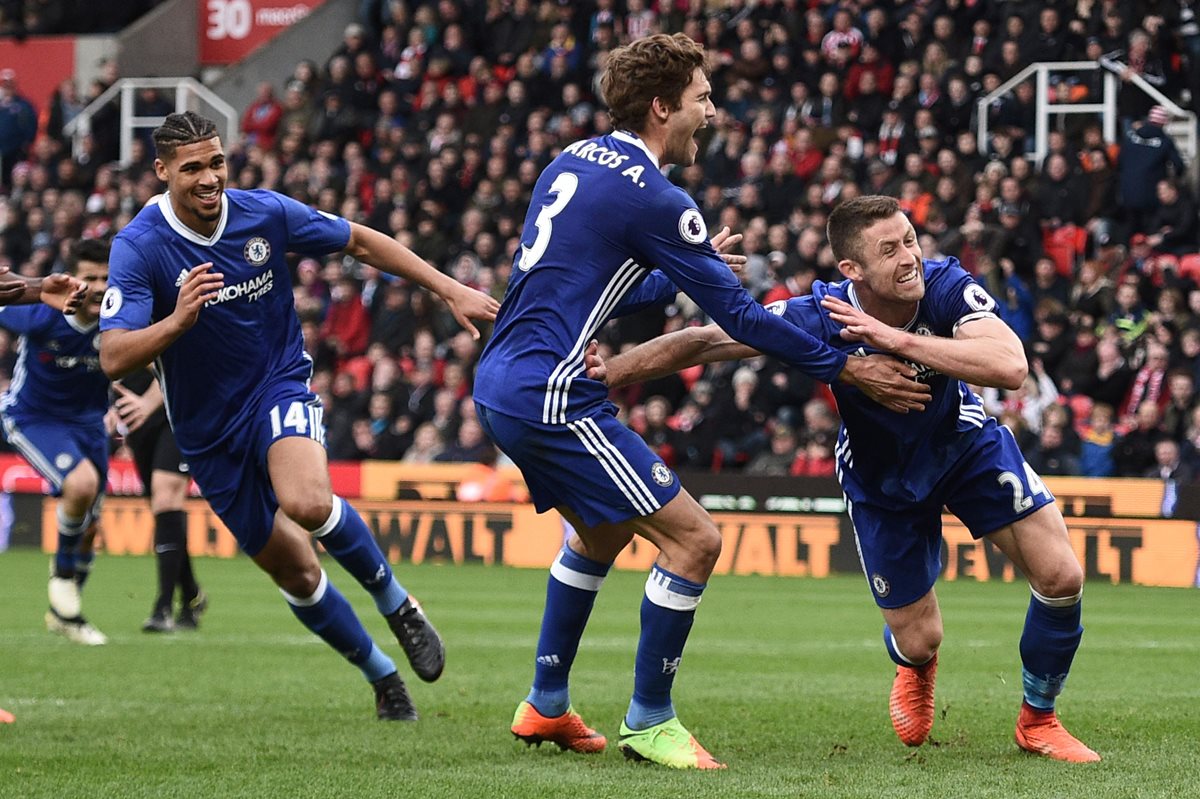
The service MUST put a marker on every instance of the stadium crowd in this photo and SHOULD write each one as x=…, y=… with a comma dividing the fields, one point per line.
x=431, y=121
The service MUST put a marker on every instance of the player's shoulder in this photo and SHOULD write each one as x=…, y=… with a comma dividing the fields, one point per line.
x=149, y=221
x=944, y=269
x=947, y=285
x=620, y=160
x=804, y=311
x=35, y=313
x=255, y=199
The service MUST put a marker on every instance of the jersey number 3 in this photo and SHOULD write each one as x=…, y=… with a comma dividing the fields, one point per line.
x=563, y=188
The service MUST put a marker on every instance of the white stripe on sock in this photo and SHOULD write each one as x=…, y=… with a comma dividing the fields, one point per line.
x=899, y=654
x=335, y=518
x=1057, y=601
x=576, y=579
x=316, y=597
x=664, y=597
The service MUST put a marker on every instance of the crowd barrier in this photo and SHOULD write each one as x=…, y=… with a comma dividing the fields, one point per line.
x=466, y=513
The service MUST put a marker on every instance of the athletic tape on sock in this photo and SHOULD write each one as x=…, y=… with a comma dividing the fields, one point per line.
x=335, y=518
x=1057, y=601
x=316, y=597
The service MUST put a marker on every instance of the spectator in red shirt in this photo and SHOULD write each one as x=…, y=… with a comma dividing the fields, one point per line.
x=347, y=325
x=260, y=122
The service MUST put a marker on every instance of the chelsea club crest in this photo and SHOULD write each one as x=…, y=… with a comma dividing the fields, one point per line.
x=257, y=251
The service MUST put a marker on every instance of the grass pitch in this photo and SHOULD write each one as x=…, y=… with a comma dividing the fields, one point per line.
x=785, y=680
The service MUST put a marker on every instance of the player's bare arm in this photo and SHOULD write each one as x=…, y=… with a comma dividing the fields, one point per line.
x=666, y=355
x=60, y=291
x=389, y=255
x=123, y=351
x=885, y=380
x=983, y=352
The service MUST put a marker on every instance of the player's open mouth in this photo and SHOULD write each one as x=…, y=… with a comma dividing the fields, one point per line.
x=908, y=277
x=208, y=197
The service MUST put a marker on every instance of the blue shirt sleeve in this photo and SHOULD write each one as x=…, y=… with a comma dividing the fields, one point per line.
x=312, y=232
x=672, y=236
x=129, y=302
x=954, y=297
x=25, y=319
x=656, y=289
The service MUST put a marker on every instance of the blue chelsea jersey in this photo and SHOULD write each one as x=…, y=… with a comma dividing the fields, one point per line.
x=894, y=459
x=57, y=376
x=245, y=340
x=607, y=233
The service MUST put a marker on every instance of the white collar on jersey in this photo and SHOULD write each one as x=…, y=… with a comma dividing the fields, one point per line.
x=164, y=205
x=629, y=138
x=853, y=295
x=82, y=328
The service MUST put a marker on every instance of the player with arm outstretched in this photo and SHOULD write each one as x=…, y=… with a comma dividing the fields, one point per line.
x=606, y=232
x=53, y=414
x=201, y=286
x=899, y=471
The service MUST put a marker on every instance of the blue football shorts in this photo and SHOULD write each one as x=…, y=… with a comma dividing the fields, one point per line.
x=595, y=466
x=233, y=475
x=54, y=448
x=990, y=487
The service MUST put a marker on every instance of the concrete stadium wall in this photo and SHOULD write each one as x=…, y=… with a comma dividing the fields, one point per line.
x=315, y=37
x=163, y=44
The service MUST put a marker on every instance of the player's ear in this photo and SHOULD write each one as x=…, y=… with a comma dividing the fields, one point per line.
x=660, y=109
x=160, y=169
x=850, y=269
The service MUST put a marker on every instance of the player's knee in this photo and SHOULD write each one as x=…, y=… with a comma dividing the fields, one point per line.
x=310, y=512
x=920, y=642
x=1061, y=579
x=705, y=547
x=299, y=580
x=82, y=484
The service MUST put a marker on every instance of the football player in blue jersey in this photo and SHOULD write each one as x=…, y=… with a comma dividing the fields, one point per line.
x=606, y=234
x=898, y=472
x=53, y=414
x=200, y=284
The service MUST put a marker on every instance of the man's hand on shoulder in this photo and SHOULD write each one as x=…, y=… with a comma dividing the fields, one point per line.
x=886, y=381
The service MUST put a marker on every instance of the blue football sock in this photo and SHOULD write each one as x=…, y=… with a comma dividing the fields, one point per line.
x=70, y=530
x=347, y=538
x=570, y=594
x=83, y=567
x=329, y=615
x=668, y=609
x=1048, y=643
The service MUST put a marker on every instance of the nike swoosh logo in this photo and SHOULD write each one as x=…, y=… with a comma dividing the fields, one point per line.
x=161, y=548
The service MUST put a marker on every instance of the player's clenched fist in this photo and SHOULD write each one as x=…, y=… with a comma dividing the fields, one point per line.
x=200, y=286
